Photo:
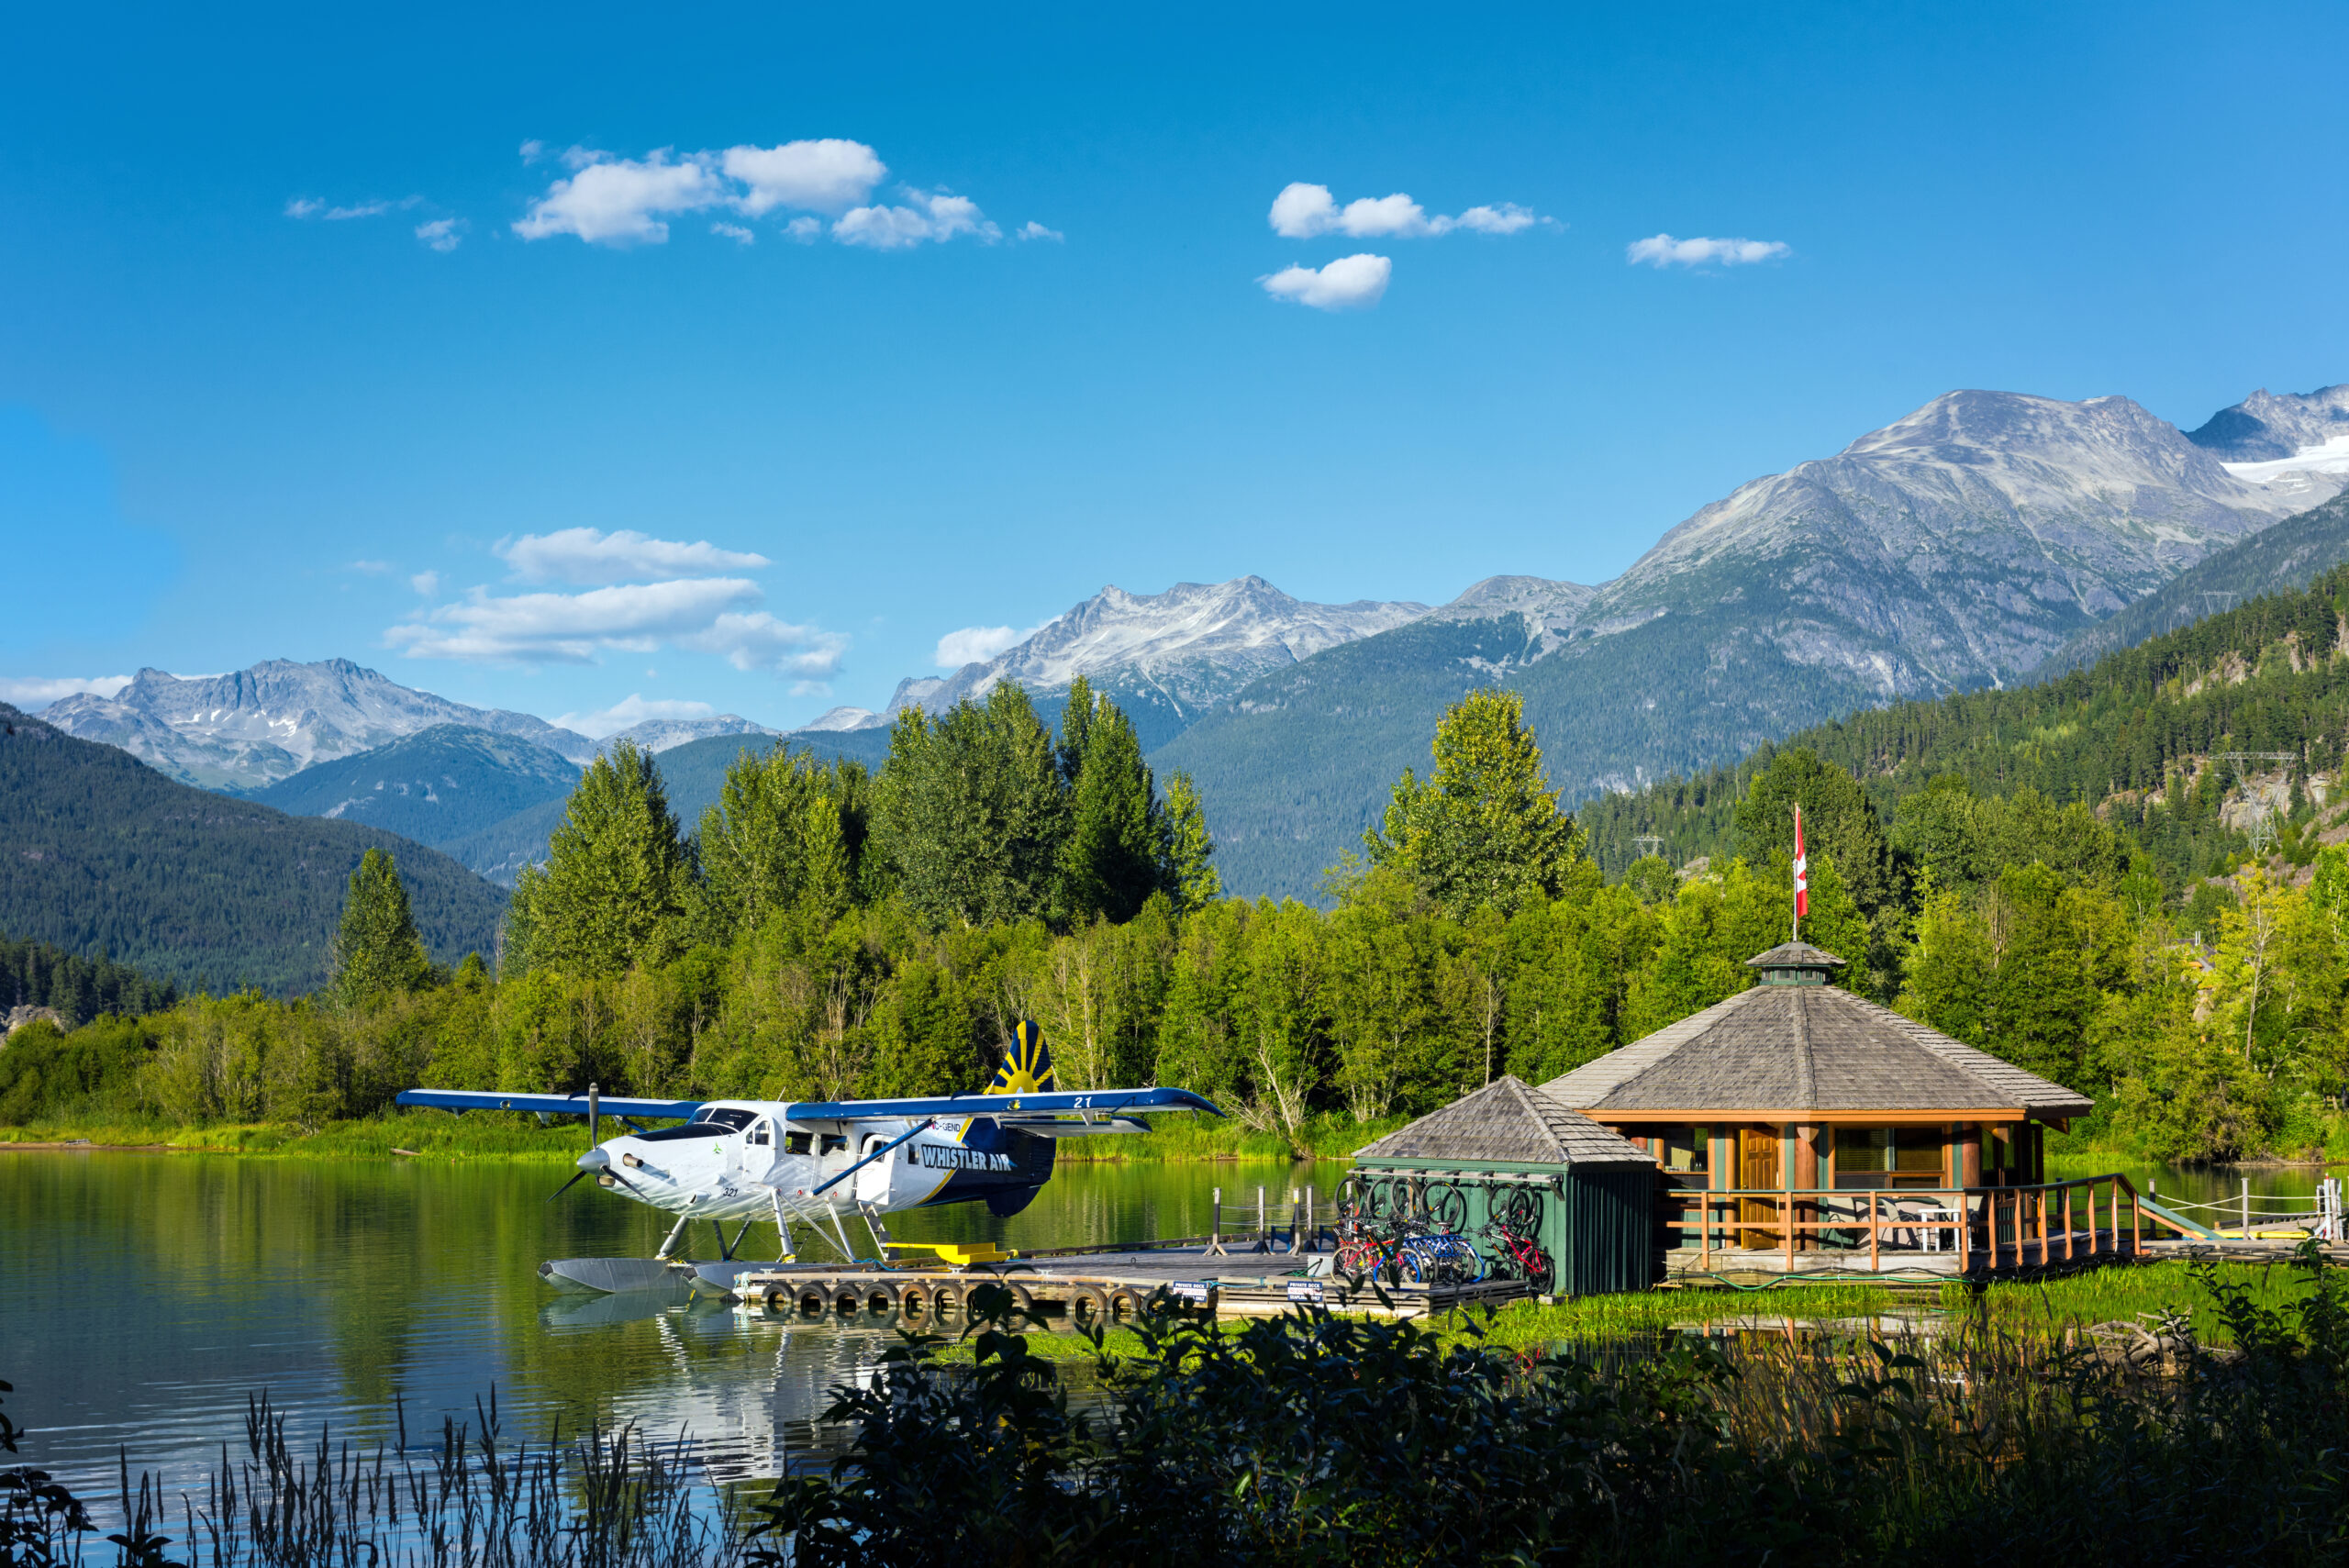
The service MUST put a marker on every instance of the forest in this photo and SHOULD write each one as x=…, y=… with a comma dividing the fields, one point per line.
x=2049, y=874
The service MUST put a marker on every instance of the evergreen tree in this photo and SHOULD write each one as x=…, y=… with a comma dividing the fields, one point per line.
x=1838, y=819
x=778, y=837
x=1113, y=858
x=1191, y=881
x=377, y=952
x=613, y=892
x=971, y=811
x=1484, y=830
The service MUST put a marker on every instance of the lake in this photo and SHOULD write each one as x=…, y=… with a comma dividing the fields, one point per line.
x=142, y=1297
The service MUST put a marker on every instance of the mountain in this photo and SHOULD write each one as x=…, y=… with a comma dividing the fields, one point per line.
x=667, y=734
x=2135, y=736
x=101, y=854
x=435, y=787
x=2278, y=559
x=1164, y=658
x=2269, y=426
x=1956, y=548
x=246, y=731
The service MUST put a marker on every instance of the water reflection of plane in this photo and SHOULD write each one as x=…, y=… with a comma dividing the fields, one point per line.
x=751, y=1414
x=748, y=1160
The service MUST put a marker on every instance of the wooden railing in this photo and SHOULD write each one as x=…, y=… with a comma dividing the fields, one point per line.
x=2054, y=1222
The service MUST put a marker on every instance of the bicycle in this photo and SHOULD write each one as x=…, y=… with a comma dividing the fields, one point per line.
x=1514, y=1226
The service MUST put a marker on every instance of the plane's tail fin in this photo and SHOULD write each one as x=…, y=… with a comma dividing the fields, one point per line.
x=1027, y=1063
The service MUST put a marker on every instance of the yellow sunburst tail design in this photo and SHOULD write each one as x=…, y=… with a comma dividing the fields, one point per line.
x=1027, y=1066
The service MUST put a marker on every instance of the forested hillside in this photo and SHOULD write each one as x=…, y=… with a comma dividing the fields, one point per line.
x=37, y=974
x=2133, y=739
x=2281, y=558
x=99, y=853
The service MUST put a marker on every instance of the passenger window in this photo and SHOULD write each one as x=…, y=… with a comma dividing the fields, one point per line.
x=794, y=1143
x=833, y=1143
x=764, y=1133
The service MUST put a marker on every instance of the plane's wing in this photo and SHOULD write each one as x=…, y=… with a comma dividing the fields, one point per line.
x=1016, y=1110
x=568, y=1105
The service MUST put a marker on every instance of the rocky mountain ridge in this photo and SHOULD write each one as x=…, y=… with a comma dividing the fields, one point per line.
x=248, y=729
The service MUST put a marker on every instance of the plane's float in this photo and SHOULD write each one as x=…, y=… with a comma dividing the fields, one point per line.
x=822, y=1162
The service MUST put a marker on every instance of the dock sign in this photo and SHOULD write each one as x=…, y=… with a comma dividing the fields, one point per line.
x=1305, y=1290
x=1197, y=1291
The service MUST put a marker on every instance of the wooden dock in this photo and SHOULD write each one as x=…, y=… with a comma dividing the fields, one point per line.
x=1104, y=1287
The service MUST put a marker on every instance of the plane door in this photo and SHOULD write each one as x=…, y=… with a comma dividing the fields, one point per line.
x=873, y=1181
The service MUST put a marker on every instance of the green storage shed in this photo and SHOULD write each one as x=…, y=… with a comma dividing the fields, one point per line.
x=1508, y=1149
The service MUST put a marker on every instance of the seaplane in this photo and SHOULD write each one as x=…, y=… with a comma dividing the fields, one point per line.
x=822, y=1163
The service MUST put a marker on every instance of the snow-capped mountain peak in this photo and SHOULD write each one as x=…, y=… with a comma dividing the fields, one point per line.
x=247, y=729
x=1181, y=650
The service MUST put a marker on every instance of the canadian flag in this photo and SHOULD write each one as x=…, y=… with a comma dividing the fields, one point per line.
x=1802, y=871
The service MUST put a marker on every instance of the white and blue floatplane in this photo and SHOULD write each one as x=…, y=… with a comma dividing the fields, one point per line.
x=820, y=1161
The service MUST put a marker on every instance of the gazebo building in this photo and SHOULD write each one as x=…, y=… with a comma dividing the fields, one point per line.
x=1817, y=1116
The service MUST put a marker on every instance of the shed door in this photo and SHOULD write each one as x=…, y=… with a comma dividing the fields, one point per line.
x=1757, y=1168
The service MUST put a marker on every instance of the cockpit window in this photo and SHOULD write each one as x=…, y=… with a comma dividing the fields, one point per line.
x=732, y=1120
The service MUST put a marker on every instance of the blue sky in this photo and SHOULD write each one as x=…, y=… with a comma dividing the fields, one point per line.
x=234, y=425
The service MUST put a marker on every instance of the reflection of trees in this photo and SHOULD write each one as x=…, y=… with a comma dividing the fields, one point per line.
x=163, y=1288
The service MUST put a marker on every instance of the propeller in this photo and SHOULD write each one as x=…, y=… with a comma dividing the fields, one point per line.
x=566, y=1186
x=597, y=1163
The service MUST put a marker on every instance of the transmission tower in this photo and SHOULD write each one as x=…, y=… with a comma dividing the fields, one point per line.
x=2262, y=831
x=1649, y=843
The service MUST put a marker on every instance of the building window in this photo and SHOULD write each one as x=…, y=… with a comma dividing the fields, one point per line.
x=1683, y=1148
x=1888, y=1157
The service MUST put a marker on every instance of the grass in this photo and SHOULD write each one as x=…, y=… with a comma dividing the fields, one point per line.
x=429, y=1134
x=498, y=1135
x=2034, y=1310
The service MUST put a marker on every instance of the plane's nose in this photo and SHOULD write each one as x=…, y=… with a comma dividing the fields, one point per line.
x=594, y=1160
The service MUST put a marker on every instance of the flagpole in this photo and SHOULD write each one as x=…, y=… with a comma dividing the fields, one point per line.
x=1802, y=882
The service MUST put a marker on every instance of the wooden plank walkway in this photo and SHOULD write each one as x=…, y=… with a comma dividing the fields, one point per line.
x=1108, y=1284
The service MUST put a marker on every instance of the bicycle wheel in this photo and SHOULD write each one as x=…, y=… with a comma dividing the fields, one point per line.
x=1517, y=1209
x=1447, y=1207
x=1541, y=1273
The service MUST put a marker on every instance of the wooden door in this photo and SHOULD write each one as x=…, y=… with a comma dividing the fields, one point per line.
x=1758, y=1152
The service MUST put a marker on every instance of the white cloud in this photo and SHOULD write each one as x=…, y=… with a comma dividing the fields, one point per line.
x=426, y=584
x=830, y=175
x=622, y=201
x=310, y=207
x=591, y=555
x=735, y=232
x=1663, y=251
x=806, y=230
x=976, y=644
x=933, y=215
x=1502, y=217
x=1304, y=211
x=757, y=641
x=571, y=628
x=443, y=234
x=533, y=150
x=1350, y=283
x=626, y=712
x=33, y=693
x=372, y=568
x=1032, y=229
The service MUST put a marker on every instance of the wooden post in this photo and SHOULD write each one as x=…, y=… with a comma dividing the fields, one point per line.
x=1806, y=1175
x=1789, y=1199
x=1969, y=1155
x=1873, y=1259
x=1964, y=1231
x=2069, y=1228
x=2136, y=1225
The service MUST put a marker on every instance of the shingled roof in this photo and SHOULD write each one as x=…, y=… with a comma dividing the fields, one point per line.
x=1806, y=1047
x=1507, y=1119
